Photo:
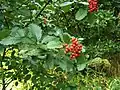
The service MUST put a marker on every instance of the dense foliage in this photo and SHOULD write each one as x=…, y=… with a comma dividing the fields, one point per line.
x=49, y=44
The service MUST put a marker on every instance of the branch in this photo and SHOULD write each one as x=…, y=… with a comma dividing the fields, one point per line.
x=3, y=78
x=42, y=9
x=39, y=12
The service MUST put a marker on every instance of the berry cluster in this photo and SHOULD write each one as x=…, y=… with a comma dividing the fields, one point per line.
x=75, y=48
x=93, y=5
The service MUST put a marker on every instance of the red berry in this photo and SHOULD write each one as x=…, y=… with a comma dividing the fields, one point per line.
x=67, y=50
x=73, y=45
x=65, y=45
x=73, y=39
x=75, y=48
x=93, y=5
x=78, y=55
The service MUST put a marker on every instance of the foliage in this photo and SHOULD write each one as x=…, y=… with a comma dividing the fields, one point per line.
x=32, y=34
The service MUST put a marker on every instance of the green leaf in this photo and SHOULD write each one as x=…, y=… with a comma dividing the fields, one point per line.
x=48, y=38
x=66, y=9
x=20, y=33
x=36, y=31
x=66, y=64
x=49, y=63
x=66, y=38
x=81, y=13
x=10, y=40
x=27, y=40
x=50, y=7
x=91, y=18
x=63, y=64
x=81, y=59
x=24, y=12
x=4, y=33
x=54, y=44
x=58, y=31
x=66, y=4
x=67, y=88
x=17, y=32
x=81, y=66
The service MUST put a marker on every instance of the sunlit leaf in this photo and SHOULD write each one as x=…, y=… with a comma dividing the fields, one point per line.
x=10, y=41
x=81, y=13
x=54, y=44
x=36, y=31
x=48, y=38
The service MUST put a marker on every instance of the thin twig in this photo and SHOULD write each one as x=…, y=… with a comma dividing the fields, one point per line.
x=8, y=83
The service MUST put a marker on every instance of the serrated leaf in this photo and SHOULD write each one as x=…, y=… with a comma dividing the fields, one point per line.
x=14, y=31
x=10, y=41
x=81, y=13
x=36, y=31
x=17, y=32
x=54, y=44
x=21, y=33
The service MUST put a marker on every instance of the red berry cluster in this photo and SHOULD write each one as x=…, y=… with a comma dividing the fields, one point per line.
x=75, y=48
x=93, y=5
